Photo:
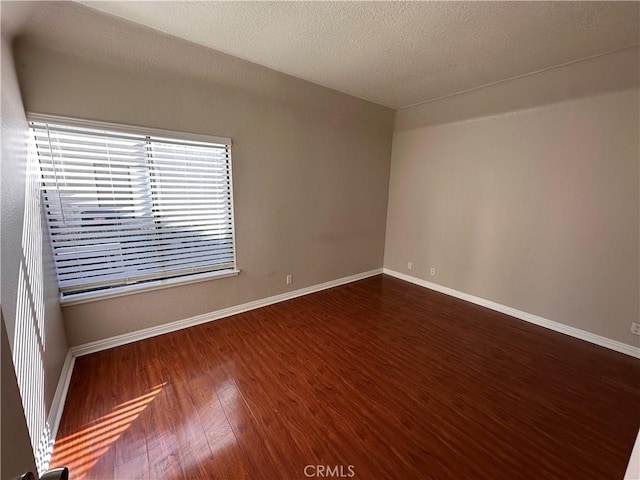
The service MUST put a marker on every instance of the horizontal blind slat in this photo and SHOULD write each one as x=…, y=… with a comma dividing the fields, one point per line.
x=92, y=253
x=120, y=279
x=145, y=263
x=205, y=230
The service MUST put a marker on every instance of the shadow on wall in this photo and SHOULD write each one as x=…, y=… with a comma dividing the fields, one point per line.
x=29, y=334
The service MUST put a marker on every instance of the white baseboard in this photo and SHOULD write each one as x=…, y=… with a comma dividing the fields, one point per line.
x=633, y=468
x=527, y=317
x=59, y=398
x=123, y=339
x=57, y=405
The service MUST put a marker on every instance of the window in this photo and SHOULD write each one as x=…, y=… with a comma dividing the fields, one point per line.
x=128, y=206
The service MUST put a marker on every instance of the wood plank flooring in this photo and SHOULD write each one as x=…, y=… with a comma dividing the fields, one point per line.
x=378, y=379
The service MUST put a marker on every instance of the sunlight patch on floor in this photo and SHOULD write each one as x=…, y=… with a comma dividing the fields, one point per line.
x=83, y=449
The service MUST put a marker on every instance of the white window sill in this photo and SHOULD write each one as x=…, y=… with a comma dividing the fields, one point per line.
x=79, y=298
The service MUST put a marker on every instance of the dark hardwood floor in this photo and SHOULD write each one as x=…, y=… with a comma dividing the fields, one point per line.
x=378, y=378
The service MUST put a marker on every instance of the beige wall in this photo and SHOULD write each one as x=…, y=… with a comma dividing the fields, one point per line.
x=310, y=166
x=536, y=209
x=17, y=455
x=30, y=308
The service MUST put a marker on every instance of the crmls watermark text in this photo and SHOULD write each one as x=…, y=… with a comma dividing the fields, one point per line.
x=328, y=471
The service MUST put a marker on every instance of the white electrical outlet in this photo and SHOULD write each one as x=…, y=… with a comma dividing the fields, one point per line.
x=410, y=266
x=635, y=328
x=432, y=272
x=289, y=279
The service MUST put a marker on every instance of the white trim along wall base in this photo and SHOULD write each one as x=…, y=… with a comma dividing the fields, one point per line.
x=123, y=339
x=633, y=469
x=92, y=347
x=57, y=406
x=59, y=398
x=519, y=314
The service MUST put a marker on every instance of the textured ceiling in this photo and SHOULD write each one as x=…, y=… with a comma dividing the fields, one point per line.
x=395, y=53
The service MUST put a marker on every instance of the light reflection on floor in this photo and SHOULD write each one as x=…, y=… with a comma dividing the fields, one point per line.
x=193, y=445
x=81, y=450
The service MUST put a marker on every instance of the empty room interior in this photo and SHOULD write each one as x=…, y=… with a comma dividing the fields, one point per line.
x=289, y=240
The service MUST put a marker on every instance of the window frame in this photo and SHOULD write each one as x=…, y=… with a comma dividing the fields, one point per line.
x=117, y=291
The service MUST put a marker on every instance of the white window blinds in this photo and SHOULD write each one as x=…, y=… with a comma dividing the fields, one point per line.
x=126, y=207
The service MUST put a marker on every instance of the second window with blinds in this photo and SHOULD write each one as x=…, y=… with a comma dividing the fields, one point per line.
x=131, y=208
